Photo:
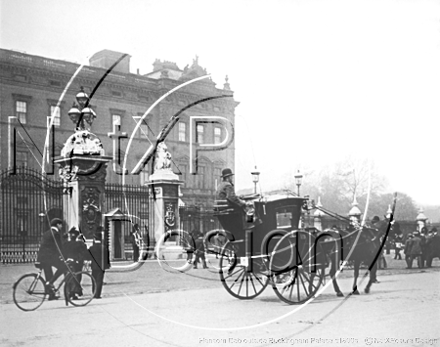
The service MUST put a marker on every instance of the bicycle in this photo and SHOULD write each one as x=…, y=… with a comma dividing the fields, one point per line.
x=29, y=291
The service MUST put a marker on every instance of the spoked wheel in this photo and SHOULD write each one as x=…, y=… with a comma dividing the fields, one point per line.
x=29, y=292
x=214, y=241
x=241, y=276
x=80, y=288
x=296, y=271
x=175, y=250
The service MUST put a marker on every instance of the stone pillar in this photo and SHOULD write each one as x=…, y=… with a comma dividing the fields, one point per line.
x=83, y=168
x=84, y=192
x=164, y=195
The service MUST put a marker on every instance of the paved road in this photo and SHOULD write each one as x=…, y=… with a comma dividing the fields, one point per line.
x=404, y=306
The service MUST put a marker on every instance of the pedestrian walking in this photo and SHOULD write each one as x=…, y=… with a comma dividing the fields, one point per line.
x=415, y=250
x=398, y=238
x=100, y=261
x=200, y=251
x=433, y=247
x=135, y=241
x=407, y=250
x=424, y=246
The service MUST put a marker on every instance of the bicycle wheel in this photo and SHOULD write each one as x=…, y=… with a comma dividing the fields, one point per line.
x=29, y=292
x=79, y=288
x=175, y=250
x=241, y=276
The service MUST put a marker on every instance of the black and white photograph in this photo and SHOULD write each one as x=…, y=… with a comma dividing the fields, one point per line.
x=219, y=173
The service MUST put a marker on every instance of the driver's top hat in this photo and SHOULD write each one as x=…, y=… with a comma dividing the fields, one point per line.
x=226, y=172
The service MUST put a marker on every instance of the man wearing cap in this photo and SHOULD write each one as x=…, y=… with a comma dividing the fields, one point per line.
x=51, y=254
x=226, y=191
x=75, y=252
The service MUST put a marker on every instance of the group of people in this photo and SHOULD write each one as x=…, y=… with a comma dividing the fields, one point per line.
x=67, y=253
x=423, y=247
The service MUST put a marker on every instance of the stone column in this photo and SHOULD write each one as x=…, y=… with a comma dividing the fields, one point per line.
x=83, y=167
x=164, y=195
x=84, y=192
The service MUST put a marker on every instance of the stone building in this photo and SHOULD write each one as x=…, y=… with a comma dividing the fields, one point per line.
x=33, y=86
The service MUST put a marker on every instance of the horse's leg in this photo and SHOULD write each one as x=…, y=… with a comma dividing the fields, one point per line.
x=332, y=274
x=372, y=278
x=357, y=265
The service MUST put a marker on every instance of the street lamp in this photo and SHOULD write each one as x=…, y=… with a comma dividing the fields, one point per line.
x=82, y=111
x=255, y=178
x=298, y=180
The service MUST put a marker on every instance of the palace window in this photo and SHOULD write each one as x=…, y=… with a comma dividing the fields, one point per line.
x=144, y=176
x=217, y=135
x=200, y=177
x=21, y=158
x=200, y=133
x=116, y=120
x=143, y=129
x=21, y=111
x=183, y=174
x=54, y=111
x=182, y=131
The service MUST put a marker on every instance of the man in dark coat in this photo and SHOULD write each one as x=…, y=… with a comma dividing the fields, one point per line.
x=415, y=250
x=100, y=261
x=75, y=252
x=226, y=191
x=407, y=250
x=51, y=255
x=433, y=246
x=424, y=246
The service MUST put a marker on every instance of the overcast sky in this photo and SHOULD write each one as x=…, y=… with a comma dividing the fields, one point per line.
x=316, y=80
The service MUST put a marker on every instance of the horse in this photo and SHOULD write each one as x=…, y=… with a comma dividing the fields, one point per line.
x=363, y=244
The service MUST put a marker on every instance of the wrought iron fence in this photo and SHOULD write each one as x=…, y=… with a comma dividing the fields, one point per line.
x=29, y=200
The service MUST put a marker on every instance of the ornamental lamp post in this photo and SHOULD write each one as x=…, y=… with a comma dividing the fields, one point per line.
x=82, y=111
x=255, y=178
x=83, y=166
x=298, y=180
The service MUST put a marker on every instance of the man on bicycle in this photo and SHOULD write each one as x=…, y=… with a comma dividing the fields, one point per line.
x=50, y=255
